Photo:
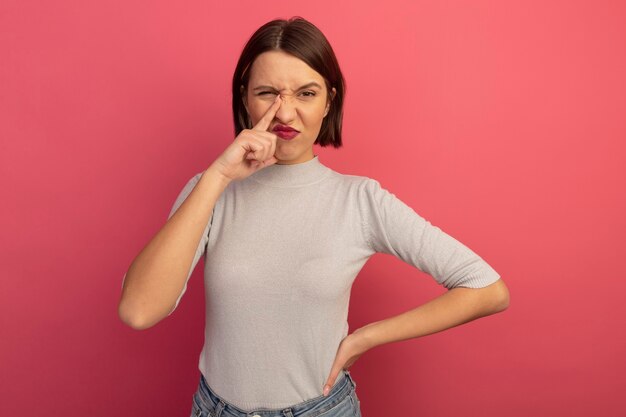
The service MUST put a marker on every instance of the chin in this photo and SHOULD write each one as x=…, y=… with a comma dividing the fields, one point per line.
x=287, y=159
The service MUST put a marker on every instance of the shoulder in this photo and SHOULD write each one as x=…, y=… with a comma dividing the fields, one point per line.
x=194, y=179
x=367, y=191
x=361, y=182
x=184, y=192
x=191, y=182
x=188, y=184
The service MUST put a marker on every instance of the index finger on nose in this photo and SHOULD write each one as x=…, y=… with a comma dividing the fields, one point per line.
x=267, y=118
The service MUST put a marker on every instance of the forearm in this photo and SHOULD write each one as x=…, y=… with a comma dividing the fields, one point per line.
x=455, y=307
x=156, y=276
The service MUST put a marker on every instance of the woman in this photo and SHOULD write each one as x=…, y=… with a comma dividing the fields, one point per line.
x=284, y=237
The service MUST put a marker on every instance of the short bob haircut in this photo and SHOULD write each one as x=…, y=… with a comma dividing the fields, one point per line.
x=303, y=40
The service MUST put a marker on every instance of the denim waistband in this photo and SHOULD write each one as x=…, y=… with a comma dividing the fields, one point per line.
x=337, y=393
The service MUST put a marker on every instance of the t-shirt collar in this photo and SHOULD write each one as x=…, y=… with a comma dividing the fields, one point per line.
x=292, y=175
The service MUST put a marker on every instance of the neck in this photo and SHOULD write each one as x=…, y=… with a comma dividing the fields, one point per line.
x=292, y=175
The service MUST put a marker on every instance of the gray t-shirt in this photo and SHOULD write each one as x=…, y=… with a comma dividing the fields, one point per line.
x=282, y=249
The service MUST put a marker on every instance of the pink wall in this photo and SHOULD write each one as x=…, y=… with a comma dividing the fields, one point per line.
x=501, y=123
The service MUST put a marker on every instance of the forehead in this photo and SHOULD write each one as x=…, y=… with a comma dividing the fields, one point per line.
x=282, y=70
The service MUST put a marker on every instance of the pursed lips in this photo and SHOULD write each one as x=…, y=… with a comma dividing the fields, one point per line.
x=283, y=128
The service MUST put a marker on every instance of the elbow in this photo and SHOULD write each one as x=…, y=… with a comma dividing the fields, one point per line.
x=501, y=296
x=131, y=318
x=136, y=313
x=493, y=298
x=502, y=305
x=128, y=315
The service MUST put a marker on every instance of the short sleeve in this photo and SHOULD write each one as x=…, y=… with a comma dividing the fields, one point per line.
x=200, y=250
x=394, y=228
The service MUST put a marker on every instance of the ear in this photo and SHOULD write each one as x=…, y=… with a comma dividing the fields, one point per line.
x=244, y=97
x=333, y=93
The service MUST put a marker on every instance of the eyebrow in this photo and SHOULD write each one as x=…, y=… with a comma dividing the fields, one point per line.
x=311, y=84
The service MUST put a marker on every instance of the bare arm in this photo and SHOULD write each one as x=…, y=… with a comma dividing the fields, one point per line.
x=456, y=306
x=159, y=273
x=156, y=276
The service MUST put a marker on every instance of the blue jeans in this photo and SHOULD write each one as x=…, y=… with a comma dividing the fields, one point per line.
x=340, y=402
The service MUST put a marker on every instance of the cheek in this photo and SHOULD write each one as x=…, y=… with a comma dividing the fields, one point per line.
x=313, y=114
x=257, y=111
x=257, y=107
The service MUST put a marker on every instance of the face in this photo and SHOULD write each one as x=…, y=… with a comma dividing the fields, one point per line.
x=302, y=108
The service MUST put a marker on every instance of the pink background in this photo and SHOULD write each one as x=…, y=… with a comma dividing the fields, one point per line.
x=501, y=122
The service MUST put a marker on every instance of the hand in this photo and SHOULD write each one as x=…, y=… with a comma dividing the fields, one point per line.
x=350, y=349
x=252, y=149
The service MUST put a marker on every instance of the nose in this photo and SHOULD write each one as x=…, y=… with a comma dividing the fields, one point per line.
x=287, y=110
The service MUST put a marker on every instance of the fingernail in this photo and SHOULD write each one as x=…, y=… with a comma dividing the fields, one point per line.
x=326, y=389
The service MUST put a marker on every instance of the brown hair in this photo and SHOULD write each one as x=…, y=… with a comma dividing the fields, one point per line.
x=303, y=40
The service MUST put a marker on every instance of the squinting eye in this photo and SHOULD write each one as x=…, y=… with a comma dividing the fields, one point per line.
x=306, y=93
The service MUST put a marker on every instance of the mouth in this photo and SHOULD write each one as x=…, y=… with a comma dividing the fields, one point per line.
x=284, y=128
x=286, y=135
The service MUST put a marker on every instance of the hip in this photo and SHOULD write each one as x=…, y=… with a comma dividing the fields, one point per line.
x=341, y=401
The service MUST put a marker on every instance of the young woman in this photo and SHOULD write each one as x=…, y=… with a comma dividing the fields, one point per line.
x=284, y=236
